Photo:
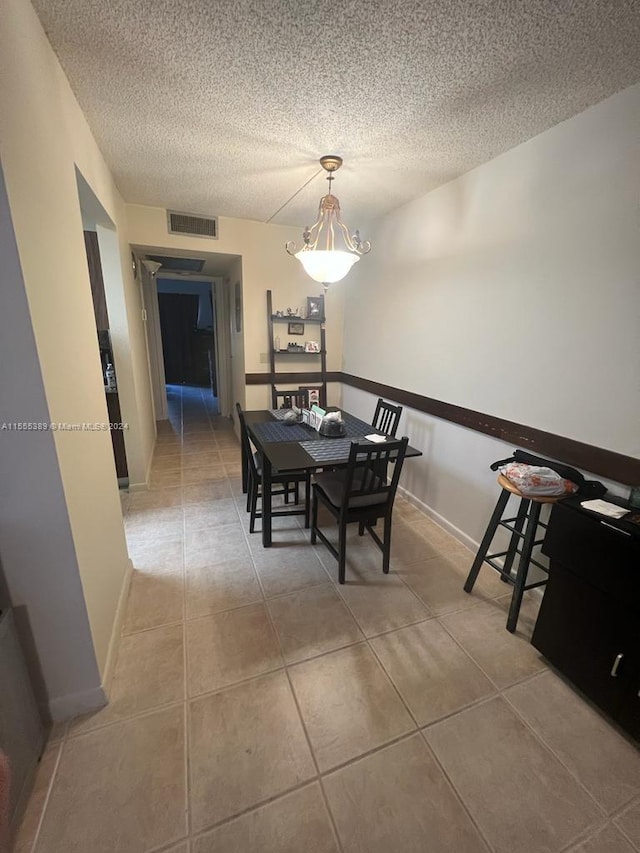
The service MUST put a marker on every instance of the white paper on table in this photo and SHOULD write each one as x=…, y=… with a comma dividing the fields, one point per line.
x=605, y=508
x=377, y=439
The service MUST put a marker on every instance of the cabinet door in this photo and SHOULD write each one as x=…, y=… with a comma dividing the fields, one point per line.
x=580, y=633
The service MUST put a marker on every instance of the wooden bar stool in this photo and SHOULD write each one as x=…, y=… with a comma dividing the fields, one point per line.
x=523, y=527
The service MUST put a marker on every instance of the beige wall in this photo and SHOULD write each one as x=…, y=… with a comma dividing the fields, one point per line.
x=43, y=139
x=513, y=291
x=265, y=265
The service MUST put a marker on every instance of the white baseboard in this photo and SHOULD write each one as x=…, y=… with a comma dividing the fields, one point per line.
x=114, y=643
x=458, y=534
x=73, y=704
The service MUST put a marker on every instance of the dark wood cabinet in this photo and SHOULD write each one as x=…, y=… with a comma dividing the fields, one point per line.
x=589, y=621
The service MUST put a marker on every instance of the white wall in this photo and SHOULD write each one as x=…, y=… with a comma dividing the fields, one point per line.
x=514, y=291
x=265, y=266
x=44, y=138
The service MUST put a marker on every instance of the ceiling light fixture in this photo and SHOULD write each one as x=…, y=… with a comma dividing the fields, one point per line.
x=323, y=258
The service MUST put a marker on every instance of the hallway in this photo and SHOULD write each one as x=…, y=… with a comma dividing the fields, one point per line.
x=259, y=707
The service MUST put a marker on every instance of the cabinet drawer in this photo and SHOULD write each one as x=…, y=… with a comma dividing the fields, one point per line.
x=607, y=558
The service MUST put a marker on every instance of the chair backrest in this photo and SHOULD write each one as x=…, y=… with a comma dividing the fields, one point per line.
x=365, y=482
x=287, y=399
x=386, y=417
x=244, y=438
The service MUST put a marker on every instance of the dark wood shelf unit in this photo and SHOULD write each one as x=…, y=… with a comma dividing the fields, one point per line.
x=319, y=376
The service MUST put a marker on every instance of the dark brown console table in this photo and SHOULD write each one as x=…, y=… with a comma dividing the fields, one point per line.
x=589, y=621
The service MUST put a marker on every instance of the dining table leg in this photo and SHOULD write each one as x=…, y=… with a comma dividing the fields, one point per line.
x=266, y=502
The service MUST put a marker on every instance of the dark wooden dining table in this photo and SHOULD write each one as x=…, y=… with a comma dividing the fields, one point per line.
x=297, y=447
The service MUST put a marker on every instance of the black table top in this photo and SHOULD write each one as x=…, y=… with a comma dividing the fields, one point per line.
x=291, y=455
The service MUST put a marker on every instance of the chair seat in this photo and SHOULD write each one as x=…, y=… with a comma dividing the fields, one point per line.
x=332, y=484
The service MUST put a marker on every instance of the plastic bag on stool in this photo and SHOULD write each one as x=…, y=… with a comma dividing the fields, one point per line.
x=535, y=481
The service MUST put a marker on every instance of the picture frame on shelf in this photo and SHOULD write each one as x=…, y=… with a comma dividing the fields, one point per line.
x=312, y=346
x=295, y=328
x=315, y=307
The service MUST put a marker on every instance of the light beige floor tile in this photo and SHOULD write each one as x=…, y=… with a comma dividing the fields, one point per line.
x=408, y=546
x=610, y=768
x=504, y=657
x=363, y=557
x=289, y=542
x=229, y=647
x=165, y=479
x=311, y=622
x=159, y=557
x=233, y=469
x=180, y=848
x=398, y=800
x=154, y=600
x=119, y=788
x=438, y=538
x=348, y=705
x=25, y=834
x=138, y=518
x=382, y=602
x=210, y=491
x=439, y=583
x=486, y=750
x=434, y=676
x=247, y=745
x=296, y=823
x=210, y=514
x=212, y=589
x=149, y=673
x=202, y=474
x=529, y=610
x=288, y=569
x=215, y=539
x=166, y=462
x=629, y=823
x=607, y=840
x=146, y=500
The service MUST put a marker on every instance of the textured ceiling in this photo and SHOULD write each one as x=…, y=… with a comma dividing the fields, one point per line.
x=224, y=106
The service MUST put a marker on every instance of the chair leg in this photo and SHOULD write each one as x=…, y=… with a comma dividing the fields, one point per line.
x=253, y=507
x=361, y=527
x=523, y=567
x=342, y=552
x=249, y=491
x=307, y=498
x=486, y=540
x=386, y=551
x=296, y=492
x=314, y=517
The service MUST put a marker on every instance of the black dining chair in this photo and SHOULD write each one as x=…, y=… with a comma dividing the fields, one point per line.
x=287, y=399
x=286, y=484
x=360, y=494
x=386, y=417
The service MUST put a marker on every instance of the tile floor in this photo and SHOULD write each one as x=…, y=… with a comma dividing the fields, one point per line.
x=259, y=707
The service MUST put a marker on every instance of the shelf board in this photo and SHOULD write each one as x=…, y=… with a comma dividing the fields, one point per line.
x=300, y=352
x=289, y=319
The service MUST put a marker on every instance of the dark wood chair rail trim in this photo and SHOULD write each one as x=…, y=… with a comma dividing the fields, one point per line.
x=587, y=457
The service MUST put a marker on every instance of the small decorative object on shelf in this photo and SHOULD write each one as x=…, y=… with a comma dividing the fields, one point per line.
x=295, y=348
x=311, y=346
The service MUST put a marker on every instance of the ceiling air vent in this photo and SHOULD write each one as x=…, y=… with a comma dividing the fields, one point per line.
x=192, y=224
